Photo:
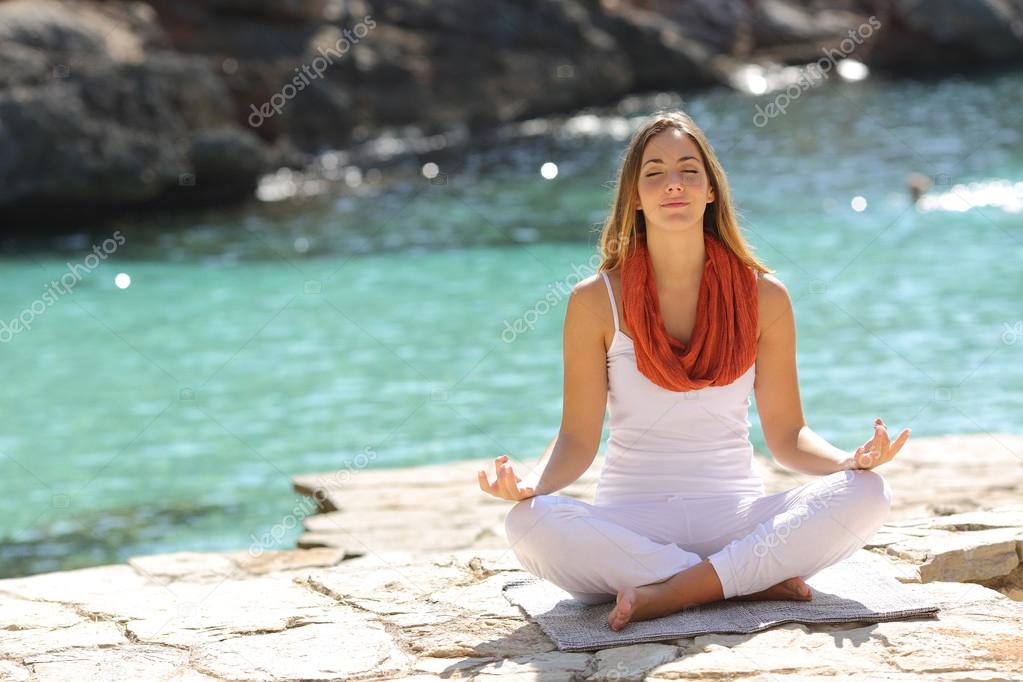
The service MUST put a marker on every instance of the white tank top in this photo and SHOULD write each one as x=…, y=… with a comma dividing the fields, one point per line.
x=662, y=444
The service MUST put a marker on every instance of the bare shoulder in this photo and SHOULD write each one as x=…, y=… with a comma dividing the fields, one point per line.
x=590, y=291
x=590, y=286
x=591, y=307
x=772, y=291
x=773, y=301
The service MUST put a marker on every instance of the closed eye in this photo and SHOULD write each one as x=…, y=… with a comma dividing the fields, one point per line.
x=650, y=175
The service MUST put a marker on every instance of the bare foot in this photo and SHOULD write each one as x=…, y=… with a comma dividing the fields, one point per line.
x=625, y=604
x=653, y=601
x=643, y=603
x=695, y=585
x=793, y=589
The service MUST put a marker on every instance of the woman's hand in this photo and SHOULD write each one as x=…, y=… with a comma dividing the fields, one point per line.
x=878, y=449
x=507, y=486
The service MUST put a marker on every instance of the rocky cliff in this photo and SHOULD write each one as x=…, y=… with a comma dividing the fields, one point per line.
x=111, y=104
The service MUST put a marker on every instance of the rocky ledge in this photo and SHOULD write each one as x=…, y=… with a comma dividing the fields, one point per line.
x=414, y=614
x=113, y=104
x=306, y=614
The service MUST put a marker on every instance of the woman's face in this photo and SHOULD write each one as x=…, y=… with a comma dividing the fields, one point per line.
x=673, y=186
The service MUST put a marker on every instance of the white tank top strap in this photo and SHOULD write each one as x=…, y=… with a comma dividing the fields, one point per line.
x=611, y=295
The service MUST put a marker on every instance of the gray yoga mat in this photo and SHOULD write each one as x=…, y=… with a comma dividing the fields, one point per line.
x=850, y=591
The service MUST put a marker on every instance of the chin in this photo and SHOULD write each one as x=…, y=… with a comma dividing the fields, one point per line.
x=687, y=217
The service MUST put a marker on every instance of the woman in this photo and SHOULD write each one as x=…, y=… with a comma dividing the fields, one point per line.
x=680, y=325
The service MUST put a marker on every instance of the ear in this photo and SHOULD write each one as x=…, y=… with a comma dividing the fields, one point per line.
x=710, y=195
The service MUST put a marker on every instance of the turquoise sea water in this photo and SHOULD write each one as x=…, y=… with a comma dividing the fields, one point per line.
x=362, y=325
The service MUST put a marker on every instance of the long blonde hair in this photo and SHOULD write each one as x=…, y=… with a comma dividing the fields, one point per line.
x=618, y=236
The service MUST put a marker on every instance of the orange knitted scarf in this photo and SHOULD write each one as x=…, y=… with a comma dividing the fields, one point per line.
x=723, y=344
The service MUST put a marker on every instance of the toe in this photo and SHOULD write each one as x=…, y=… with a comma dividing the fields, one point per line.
x=619, y=614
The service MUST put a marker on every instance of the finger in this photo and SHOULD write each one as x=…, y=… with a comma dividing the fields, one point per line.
x=868, y=459
x=499, y=483
x=498, y=462
x=858, y=457
x=513, y=484
x=875, y=457
x=864, y=451
x=900, y=441
x=881, y=436
x=484, y=482
x=881, y=430
x=507, y=479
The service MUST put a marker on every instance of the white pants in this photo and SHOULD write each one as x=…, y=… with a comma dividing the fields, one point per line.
x=753, y=542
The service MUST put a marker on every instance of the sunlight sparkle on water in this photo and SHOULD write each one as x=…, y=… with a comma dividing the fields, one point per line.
x=1002, y=194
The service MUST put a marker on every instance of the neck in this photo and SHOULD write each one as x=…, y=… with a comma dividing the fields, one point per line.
x=677, y=257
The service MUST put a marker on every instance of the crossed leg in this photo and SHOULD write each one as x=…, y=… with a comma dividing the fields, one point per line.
x=648, y=558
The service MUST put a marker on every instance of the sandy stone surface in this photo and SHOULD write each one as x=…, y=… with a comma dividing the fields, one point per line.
x=415, y=613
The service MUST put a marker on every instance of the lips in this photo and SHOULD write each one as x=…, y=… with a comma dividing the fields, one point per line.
x=675, y=204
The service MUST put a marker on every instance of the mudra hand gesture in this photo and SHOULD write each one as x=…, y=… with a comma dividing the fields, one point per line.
x=878, y=449
x=508, y=486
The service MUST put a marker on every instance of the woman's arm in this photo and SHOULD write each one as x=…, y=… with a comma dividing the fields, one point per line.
x=584, y=404
x=793, y=444
x=572, y=451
